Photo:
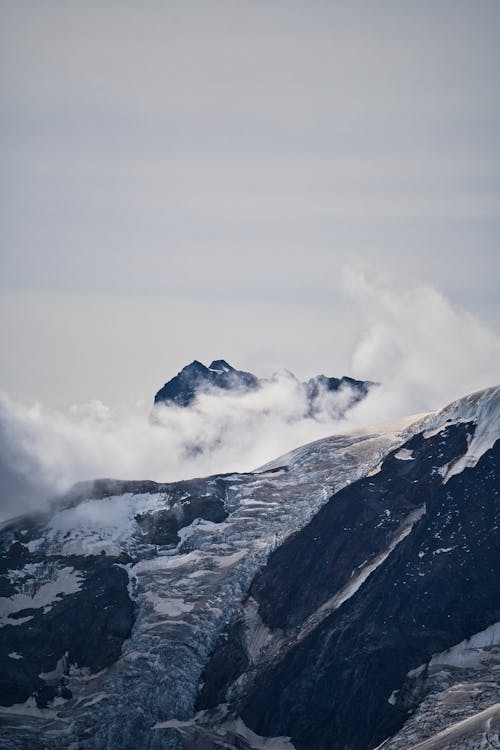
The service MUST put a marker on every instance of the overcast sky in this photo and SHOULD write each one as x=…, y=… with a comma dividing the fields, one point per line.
x=185, y=180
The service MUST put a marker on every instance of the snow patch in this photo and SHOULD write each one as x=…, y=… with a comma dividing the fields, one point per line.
x=468, y=653
x=350, y=589
x=96, y=699
x=28, y=708
x=172, y=607
x=228, y=560
x=164, y=562
x=483, y=408
x=34, y=595
x=393, y=697
x=105, y=524
x=404, y=455
x=443, y=550
x=256, y=741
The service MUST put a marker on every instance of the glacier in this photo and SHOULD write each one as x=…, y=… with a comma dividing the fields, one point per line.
x=186, y=593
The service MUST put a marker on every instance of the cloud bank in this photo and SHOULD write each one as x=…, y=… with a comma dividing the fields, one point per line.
x=423, y=350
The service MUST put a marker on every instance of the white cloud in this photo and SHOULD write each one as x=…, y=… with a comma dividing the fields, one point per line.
x=47, y=450
x=423, y=350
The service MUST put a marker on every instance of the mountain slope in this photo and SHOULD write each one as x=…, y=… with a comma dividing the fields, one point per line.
x=302, y=603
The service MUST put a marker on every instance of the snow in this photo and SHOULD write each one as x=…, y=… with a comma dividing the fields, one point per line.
x=255, y=741
x=486, y=434
x=185, y=598
x=28, y=708
x=271, y=474
x=256, y=634
x=483, y=408
x=471, y=653
x=171, y=607
x=164, y=562
x=96, y=699
x=443, y=550
x=224, y=562
x=470, y=728
x=64, y=581
x=416, y=672
x=350, y=589
x=438, y=430
x=468, y=653
x=404, y=455
x=105, y=524
x=199, y=524
x=58, y=672
x=225, y=729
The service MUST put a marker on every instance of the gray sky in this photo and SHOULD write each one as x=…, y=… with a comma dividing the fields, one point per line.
x=187, y=180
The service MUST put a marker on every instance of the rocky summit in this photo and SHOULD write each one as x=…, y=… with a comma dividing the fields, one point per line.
x=343, y=597
x=196, y=378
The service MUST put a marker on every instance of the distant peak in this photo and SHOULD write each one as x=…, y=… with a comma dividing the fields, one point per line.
x=220, y=365
x=194, y=379
x=194, y=365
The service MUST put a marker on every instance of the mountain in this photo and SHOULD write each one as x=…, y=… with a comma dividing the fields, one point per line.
x=196, y=378
x=344, y=596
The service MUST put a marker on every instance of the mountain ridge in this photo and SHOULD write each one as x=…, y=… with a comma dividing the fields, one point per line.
x=195, y=378
x=302, y=581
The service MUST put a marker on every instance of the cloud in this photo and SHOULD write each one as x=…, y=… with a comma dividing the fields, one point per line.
x=45, y=450
x=422, y=349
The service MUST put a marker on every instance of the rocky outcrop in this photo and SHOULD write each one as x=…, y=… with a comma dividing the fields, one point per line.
x=195, y=378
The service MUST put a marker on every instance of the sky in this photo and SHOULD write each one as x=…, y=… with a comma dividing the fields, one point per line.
x=190, y=179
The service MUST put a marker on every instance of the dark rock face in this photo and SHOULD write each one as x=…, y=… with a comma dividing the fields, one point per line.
x=184, y=387
x=358, y=389
x=328, y=684
x=229, y=661
x=349, y=532
x=194, y=378
x=85, y=628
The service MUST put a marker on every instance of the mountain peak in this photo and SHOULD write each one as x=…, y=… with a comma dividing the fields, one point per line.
x=196, y=378
x=220, y=365
x=195, y=365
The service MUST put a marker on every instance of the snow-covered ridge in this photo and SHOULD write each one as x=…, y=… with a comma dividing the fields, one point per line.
x=186, y=593
x=482, y=408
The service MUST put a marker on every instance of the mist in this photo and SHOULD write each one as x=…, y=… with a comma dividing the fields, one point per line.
x=423, y=351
